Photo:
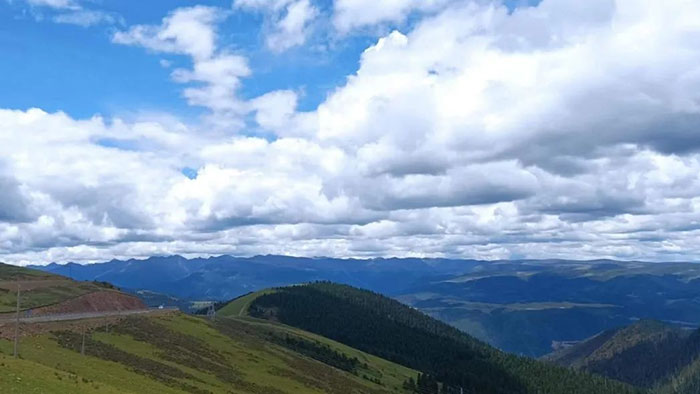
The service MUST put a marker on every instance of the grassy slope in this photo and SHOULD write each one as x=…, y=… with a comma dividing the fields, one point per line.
x=239, y=307
x=38, y=288
x=392, y=375
x=179, y=353
x=12, y=272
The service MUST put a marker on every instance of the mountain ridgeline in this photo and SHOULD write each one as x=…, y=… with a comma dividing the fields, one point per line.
x=520, y=306
x=386, y=328
x=646, y=354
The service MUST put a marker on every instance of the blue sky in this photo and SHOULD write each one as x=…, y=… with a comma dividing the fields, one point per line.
x=349, y=128
x=48, y=60
x=77, y=69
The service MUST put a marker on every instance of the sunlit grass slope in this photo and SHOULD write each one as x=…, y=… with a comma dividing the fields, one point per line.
x=239, y=306
x=178, y=353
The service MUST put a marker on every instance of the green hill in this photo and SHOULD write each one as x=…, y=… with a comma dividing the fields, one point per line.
x=170, y=352
x=645, y=354
x=238, y=307
x=384, y=327
x=316, y=338
x=175, y=353
x=38, y=288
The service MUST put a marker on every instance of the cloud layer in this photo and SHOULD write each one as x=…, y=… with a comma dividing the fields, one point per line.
x=570, y=129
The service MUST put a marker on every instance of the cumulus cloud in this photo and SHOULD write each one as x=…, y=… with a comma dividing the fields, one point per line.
x=478, y=131
x=14, y=207
x=277, y=112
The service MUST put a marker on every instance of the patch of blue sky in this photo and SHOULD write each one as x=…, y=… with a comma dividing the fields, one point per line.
x=190, y=173
x=513, y=4
x=77, y=70
x=121, y=144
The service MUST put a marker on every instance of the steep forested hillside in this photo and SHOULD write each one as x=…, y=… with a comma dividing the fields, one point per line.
x=685, y=382
x=384, y=327
x=645, y=354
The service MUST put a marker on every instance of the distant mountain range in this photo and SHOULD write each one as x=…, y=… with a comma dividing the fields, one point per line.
x=226, y=277
x=531, y=307
x=528, y=307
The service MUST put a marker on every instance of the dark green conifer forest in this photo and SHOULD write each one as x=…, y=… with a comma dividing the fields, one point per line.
x=449, y=360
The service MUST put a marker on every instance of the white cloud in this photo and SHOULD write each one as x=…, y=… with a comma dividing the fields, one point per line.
x=291, y=29
x=276, y=112
x=274, y=5
x=221, y=77
x=216, y=73
x=59, y=4
x=290, y=21
x=479, y=132
x=86, y=18
x=188, y=31
x=351, y=14
x=71, y=12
